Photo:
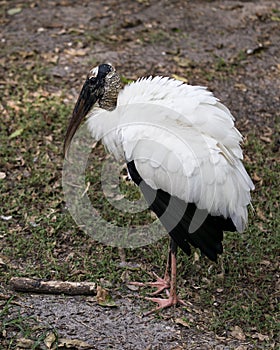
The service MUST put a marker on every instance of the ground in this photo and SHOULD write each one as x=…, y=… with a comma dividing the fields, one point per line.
x=47, y=48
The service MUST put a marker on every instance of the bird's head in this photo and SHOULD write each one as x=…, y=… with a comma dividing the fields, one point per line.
x=102, y=87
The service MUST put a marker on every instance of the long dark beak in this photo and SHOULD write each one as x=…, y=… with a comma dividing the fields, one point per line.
x=91, y=92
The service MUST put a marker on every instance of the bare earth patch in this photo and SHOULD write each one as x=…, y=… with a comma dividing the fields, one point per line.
x=123, y=327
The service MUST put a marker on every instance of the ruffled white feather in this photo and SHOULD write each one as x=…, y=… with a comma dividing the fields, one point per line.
x=182, y=140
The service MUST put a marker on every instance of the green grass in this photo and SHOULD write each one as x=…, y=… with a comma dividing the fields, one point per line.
x=29, y=334
x=42, y=240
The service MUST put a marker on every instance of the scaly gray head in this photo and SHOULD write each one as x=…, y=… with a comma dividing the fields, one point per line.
x=102, y=86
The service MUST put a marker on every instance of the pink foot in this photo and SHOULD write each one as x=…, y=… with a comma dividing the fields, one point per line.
x=161, y=284
x=164, y=303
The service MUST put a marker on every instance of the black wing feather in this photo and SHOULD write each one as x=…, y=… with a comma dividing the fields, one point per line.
x=179, y=217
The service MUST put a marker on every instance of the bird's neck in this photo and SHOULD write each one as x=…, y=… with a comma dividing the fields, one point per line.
x=110, y=96
x=108, y=103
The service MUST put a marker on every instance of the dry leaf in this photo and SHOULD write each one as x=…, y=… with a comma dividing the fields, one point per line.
x=268, y=132
x=132, y=287
x=73, y=344
x=265, y=262
x=266, y=139
x=256, y=178
x=2, y=262
x=13, y=105
x=49, y=340
x=260, y=336
x=23, y=343
x=261, y=214
x=238, y=333
x=178, y=77
x=14, y=11
x=16, y=133
x=275, y=18
x=125, y=275
x=103, y=298
x=196, y=257
x=105, y=283
x=76, y=52
x=182, y=322
x=50, y=57
x=183, y=62
x=26, y=54
x=241, y=87
x=118, y=197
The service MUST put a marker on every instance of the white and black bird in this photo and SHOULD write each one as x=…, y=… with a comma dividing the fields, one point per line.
x=181, y=148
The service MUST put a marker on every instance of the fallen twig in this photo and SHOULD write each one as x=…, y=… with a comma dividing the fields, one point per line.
x=22, y=284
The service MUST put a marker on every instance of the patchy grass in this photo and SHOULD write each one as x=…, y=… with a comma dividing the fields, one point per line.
x=40, y=239
x=250, y=286
x=29, y=334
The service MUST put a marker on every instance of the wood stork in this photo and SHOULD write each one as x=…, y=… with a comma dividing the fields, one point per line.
x=183, y=151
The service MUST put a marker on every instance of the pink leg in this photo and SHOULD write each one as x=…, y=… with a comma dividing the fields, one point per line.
x=172, y=296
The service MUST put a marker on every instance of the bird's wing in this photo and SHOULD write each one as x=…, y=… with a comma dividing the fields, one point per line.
x=182, y=141
x=194, y=105
x=194, y=169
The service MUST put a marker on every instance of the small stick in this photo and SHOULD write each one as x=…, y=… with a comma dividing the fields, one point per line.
x=22, y=284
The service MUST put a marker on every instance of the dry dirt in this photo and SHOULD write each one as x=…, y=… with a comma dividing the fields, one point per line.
x=186, y=38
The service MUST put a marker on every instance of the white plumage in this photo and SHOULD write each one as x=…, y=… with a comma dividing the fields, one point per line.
x=182, y=150
x=182, y=140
